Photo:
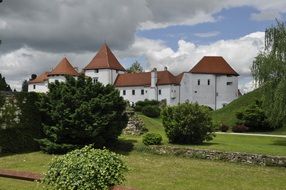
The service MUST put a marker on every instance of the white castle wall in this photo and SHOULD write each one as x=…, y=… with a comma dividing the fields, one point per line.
x=38, y=87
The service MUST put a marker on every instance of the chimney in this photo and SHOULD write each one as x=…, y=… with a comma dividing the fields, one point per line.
x=165, y=68
x=154, y=77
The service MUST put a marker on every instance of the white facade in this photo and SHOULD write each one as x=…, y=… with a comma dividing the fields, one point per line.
x=105, y=76
x=211, y=90
x=38, y=87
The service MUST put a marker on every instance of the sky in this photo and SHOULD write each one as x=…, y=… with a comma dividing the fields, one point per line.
x=37, y=34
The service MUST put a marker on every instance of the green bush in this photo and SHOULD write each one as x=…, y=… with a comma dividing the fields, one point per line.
x=152, y=139
x=254, y=118
x=85, y=169
x=151, y=111
x=224, y=128
x=187, y=124
x=141, y=104
x=80, y=112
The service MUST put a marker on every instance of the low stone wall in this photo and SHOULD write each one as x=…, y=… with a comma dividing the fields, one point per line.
x=247, y=158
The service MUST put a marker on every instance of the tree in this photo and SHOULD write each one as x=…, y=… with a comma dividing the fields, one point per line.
x=25, y=85
x=269, y=71
x=187, y=123
x=3, y=85
x=135, y=68
x=80, y=112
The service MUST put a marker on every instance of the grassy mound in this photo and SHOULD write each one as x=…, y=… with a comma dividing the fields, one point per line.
x=226, y=114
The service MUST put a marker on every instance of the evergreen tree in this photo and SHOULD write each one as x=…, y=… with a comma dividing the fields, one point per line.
x=25, y=85
x=3, y=85
x=79, y=112
x=269, y=70
x=135, y=68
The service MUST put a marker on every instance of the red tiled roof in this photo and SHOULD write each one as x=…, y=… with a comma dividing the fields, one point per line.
x=64, y=68
x=213, y=65
x=144, y=79
x=41, y=78
x=104, y=59
x=179, y=77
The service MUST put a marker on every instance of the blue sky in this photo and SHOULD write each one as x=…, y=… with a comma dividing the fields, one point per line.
x=36, y=34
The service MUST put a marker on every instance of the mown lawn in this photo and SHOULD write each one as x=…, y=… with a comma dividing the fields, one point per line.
x=154, y=172
x=224, y=142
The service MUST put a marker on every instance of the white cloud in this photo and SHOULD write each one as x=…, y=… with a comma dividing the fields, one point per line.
x=247, y=87
x=207, y=34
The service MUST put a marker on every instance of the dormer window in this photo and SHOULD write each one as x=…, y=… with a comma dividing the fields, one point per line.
x=96, y=70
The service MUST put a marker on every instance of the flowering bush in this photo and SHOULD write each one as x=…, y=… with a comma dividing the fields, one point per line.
x=85, y=169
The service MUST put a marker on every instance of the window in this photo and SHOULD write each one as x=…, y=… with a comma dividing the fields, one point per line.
x=196, y=91
x=96, y=70
x=95, y=79
x=160, y=91
x=124, y=92
x=199, y=82
x=34, y=86
x=142, y=92
x=209, y=81
x=133, y=92
x=228, y=83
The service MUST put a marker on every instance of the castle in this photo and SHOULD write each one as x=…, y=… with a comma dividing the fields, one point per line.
x=211, y=82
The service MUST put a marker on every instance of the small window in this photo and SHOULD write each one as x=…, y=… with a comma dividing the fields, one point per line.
x=160, y=91
x=196, y=91
x=95, y=79
x=133, y=92
x=142, y=92
x=96, y=70
x=146, y=91
x=228, y=83
x=124, y=92
x=209, y=81
x=117, y=71
x=34, y=86
x=199, y=82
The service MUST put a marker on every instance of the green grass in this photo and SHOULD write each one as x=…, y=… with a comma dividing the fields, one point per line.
x=154, y=172
x=223, y=142
x=226, y=114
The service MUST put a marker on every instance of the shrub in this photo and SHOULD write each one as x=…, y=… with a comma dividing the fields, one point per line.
x=85, y=168
x=224, y=128
x=151, y=111
x=141, y=104
x=187, y=123
x=152, y=139
x=80, y=112
x=240, y=128
x=254, y=117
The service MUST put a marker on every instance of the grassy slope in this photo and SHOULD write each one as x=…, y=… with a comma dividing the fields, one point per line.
x=154, y=172
x=226, y=114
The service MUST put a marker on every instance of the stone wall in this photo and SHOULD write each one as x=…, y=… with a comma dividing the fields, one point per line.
x=239, y=157
x=135, y=125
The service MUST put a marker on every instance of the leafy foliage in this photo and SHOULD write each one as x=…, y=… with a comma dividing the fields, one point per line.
x=269, y=70
x=135, y=68
x=240, y=128
x=152, y=139
x=254, y=117
x=224, y=127
x=151, y=111
x=25, y=86
x=187, y=123
x=79, y=112
x=86, y=169
x=140, y=104
x=20, y=122
x=3, y=85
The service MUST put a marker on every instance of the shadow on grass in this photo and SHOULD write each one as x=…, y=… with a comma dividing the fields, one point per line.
x=124, y=146
x=280, y=142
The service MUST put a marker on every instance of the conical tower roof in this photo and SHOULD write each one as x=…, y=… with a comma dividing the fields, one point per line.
x=104, y=59
x=64, y=68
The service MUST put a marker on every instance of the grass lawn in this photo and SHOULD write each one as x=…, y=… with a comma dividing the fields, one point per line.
x=156, y=172
x=227, y=142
